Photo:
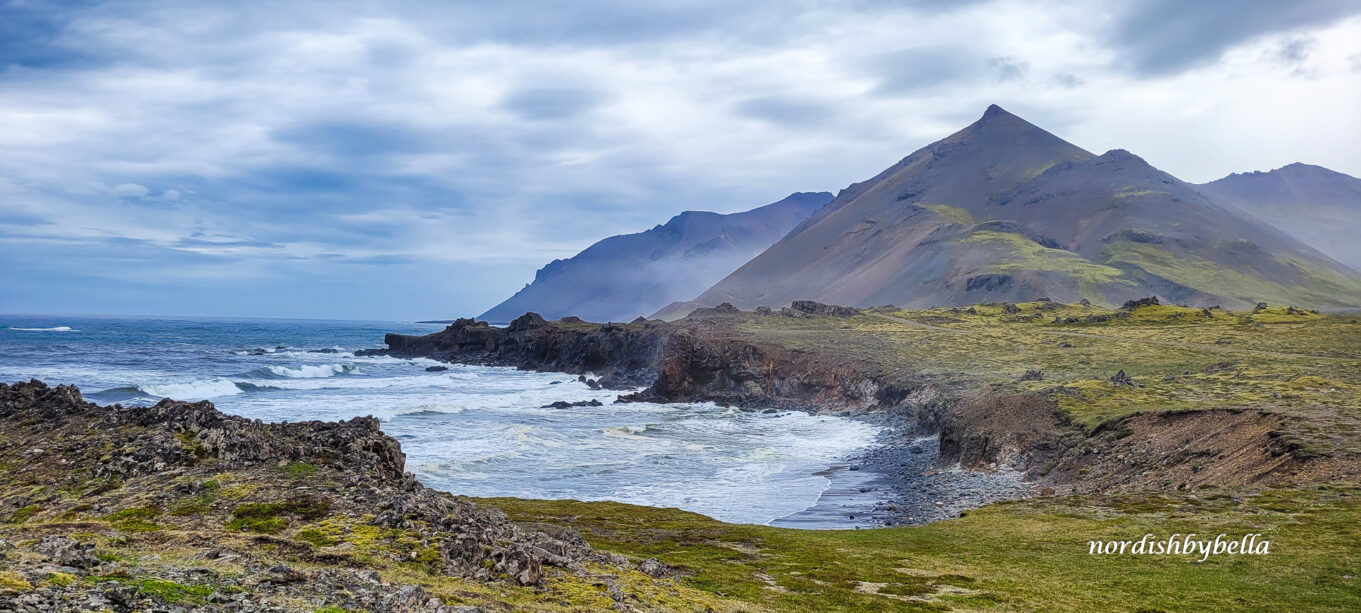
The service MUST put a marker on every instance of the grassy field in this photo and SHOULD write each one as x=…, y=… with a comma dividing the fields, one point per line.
x=1019, y=556
x=1178, y=358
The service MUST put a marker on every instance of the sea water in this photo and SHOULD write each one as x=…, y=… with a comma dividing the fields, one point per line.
x=472, y=430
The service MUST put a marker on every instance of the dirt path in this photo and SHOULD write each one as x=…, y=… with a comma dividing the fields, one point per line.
x=1177, y=344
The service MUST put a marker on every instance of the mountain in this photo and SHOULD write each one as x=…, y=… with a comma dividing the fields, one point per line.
x=623, y=277
x=1005, y=211
x=1318, y=206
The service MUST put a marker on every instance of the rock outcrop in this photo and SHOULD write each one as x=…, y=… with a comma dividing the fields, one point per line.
x=129, y=460
x=622, y=355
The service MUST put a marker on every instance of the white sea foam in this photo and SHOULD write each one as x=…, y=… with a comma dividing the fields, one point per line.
x=197, y=390
x=56, y=329
x=313, y=371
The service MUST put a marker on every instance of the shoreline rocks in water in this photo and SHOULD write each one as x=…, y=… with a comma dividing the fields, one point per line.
x=563, y=404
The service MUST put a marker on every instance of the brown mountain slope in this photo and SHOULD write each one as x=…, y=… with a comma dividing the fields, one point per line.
x=1003, y=210
x=1318, y=206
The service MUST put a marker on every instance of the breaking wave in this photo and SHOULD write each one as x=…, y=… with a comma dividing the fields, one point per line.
x=206, y=388
x=311, y=372
x=56, y=329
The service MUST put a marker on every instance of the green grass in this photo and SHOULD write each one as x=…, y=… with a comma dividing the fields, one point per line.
x=1302, y=364
x=299, y=470
x=272, y=517
x=136, y=519
x=1022, y=556
x=22, y=514
x=1025, y=255
x=953, y=213
x=1319, y=286
x=172, y=592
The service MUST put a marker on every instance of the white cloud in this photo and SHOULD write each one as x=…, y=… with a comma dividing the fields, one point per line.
x=462, y=133
x=128, y=190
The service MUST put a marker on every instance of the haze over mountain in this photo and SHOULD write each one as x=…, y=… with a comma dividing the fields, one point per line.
x=622, y=277
x=1318, y=206
x=1005, y=211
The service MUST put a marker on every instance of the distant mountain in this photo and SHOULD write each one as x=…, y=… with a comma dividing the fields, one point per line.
x=1004, y=211
x=1320, y=207
x=623, y=277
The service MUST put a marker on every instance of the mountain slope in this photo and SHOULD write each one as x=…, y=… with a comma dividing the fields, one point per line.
x=1004, y=211
x=622, y=277
x=1318, y=206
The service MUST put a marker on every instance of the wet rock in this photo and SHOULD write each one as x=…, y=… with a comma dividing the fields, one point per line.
x=436, y=368
x=563, y=404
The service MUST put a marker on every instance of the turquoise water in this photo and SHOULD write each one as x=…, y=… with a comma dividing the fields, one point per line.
x=471, y=430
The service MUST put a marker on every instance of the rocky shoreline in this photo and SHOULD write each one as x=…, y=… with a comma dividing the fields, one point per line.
x=217, y=491
x=919, y=471
x=953, y=446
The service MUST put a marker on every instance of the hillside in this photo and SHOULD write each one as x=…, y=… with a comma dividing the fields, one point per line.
x=1318, y=206
x=623, y=277
x=1005, y=211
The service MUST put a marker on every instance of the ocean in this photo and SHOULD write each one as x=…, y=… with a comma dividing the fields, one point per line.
x=472, y=430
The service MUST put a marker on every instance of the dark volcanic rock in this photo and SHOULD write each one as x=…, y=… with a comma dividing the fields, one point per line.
x=809, y=308
x=621, y=355
x=563, y=404
x=145, y=450
x=1134, y=304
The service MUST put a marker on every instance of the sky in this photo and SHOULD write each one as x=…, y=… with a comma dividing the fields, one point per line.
x=410, y=160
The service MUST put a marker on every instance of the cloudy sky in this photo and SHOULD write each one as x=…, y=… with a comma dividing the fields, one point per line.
x=419, y=159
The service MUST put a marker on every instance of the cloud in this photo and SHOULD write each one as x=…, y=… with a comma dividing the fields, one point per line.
x=229, y=242
x=334, y=155
x=1067, y=80
x=1007, y=68
x=916, y=69
x=128, y=190
x=548, y=103
x=1161, y=37
x=785, y=110
x=23, y=219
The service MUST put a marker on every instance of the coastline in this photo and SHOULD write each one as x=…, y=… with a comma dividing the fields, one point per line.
x=899, y=481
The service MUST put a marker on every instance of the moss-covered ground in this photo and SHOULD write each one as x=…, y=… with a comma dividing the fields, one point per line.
x=1178, y=358
x=1019, y=556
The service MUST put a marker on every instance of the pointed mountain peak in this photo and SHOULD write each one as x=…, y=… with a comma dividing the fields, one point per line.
x=993, y=111
x=999, y=128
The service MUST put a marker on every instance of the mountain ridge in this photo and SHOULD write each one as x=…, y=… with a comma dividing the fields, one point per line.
x=1104, y=228
x=629, y=275
x=1319, y=206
